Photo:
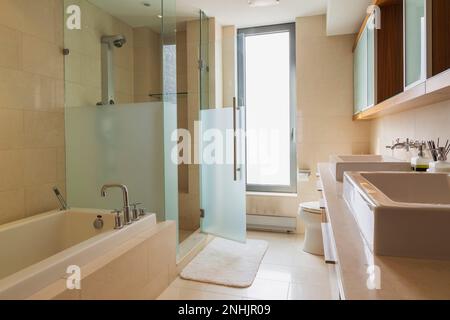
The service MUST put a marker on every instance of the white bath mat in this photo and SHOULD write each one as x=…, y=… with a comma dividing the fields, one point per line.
x=227, y=263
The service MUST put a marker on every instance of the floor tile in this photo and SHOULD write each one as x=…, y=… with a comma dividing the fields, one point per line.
x=286, y=272
x=308, y=292
x=175, y=293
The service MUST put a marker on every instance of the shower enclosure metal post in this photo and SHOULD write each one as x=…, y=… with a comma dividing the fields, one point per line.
x=108, y=96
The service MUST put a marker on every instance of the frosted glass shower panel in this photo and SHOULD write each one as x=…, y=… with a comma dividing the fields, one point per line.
x=116, y=144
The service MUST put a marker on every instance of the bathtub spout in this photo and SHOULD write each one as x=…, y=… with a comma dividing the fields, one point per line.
x=126, y=201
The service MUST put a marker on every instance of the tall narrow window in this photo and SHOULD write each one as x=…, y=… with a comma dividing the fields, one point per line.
x=267, y=91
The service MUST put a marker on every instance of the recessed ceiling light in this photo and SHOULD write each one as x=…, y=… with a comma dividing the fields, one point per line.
x=263, y=3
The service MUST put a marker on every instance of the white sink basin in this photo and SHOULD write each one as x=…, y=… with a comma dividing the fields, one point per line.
x=343, y=163
x=402, y=214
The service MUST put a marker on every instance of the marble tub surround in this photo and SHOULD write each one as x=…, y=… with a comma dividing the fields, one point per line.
x=400, y=278
x=140, y=268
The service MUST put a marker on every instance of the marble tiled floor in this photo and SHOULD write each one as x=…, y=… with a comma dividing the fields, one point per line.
x=286, y=272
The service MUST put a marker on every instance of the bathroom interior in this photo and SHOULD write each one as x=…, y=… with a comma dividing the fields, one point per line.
x=349, y=199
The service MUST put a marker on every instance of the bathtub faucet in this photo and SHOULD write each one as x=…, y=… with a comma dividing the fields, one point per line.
x=126, y=201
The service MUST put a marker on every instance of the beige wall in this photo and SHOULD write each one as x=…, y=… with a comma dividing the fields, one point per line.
x=215, y=64
x=429, y=122
x=182, y=104
x=324, y=110
x=83, y=65
x=31, y=107
x=189, y=198
x=147, y=64
x=229, y=64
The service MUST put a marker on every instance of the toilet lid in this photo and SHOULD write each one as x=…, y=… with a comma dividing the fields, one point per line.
x=313, y=207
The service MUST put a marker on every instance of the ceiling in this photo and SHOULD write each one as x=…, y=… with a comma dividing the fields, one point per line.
x=343, y=16
x=239, y=13
x=133, y=12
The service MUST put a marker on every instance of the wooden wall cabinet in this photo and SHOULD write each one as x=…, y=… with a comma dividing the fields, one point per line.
x=411, y=54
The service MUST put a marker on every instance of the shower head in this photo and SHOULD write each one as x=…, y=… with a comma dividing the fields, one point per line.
x=117, y=40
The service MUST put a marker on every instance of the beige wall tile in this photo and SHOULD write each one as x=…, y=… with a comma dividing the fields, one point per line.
x=84, y=68
x=11, y=167
x=31, y=106
x=41, y=57
x=425, y=123
x=11, y=129
x=43, y=129
x=61, y=164
x=18, y=89
x=23, y=90
x=10, y=48
x=12, y=13
x=12, y=205
x=72, y=66
x=34, y=23
x=40, y=166
x=91, y=71
x=40, y=198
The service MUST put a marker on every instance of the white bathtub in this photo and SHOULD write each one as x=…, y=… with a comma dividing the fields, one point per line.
x=36, y=251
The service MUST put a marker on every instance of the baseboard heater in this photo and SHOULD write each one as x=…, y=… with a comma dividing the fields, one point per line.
x=271, y=223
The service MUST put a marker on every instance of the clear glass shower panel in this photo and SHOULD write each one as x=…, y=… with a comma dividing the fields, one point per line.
x=169, y=94
x=204, y=61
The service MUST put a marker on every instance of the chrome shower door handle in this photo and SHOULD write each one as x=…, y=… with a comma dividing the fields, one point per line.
x=235, y=168
x=293, y=134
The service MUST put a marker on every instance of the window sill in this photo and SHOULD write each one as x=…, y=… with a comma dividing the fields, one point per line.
x=271, y=194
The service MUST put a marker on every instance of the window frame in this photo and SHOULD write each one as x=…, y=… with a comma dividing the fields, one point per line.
x=279, y=28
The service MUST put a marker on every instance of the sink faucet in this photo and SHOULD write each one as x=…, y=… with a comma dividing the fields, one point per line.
x=407, y=145
x=126, y=201
x=401, y=145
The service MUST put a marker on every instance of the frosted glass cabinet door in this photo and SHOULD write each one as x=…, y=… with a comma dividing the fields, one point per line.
x=370, y=62
x=222, y=191
x=360, y=73
x=415, y=42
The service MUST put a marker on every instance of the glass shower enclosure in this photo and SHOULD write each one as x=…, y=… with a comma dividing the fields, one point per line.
x=116, y=131
x=125, y=101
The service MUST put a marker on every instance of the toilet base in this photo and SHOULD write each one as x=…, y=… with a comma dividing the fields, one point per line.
x=313, y=241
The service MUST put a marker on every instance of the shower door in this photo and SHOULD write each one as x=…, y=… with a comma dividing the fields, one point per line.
x=221, y=151
x=222, y=173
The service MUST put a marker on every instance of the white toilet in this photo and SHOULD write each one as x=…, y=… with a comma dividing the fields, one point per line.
x=311, y=214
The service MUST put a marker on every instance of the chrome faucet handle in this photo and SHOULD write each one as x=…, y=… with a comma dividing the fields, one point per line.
x=117, y=219
x=142, y=212
x=135, y=211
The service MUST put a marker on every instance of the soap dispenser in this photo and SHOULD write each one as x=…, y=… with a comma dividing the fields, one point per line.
x=420, y=163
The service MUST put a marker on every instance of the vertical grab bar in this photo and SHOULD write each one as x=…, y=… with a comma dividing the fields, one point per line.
x=234, y=140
